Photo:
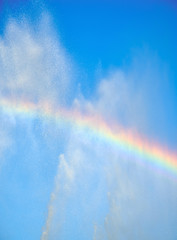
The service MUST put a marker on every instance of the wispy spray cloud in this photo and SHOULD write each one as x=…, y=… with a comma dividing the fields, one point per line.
x=33, y=63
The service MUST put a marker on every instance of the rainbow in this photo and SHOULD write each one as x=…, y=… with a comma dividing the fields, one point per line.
x=157, y=156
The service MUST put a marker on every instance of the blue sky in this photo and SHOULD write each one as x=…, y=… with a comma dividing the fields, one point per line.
x=113, y=58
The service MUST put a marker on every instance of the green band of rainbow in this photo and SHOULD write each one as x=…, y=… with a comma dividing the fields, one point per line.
x=157, y=155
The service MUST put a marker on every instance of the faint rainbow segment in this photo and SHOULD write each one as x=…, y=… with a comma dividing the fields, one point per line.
x=155, y=155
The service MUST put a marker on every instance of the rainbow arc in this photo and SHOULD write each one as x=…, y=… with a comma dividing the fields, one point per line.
x=158, y=156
